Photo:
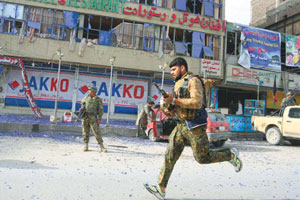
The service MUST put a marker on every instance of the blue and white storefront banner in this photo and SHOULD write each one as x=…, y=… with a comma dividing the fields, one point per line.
x=127, y=93
x=260, y=49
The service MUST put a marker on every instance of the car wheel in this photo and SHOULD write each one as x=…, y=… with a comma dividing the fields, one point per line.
x=218, y=143
x=295, y=142
x=152, y=136
x=274, y=136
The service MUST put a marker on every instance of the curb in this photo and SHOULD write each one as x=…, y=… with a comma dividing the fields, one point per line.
x=52, y=128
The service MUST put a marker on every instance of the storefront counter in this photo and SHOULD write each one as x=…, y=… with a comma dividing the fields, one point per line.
x=239, y=123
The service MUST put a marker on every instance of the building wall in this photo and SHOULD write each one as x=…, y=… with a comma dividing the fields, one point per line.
x=98, y=56
x=259, y=11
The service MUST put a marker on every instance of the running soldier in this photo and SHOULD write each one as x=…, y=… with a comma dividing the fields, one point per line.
x=189, y=100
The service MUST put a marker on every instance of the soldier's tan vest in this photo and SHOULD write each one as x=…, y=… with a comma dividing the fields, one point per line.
x=181, y=90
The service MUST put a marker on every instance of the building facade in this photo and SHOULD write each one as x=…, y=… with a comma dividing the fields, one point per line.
x=140, y=34
x=278, y=15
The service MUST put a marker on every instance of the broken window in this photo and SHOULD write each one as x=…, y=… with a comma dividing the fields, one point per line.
x=46, y=23
x=233, y=43
x=211, y=8
x=12, y=16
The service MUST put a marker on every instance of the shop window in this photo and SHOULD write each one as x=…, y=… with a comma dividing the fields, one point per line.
x=165, y=44
x=233, y=43
x=46, y=23
x=198, y=40
x=138, y=38
x=180, y=45
x=149, y=35
x=159, y=39
x=11, y=16
x=92, y=26
x=169, y=41
x=217, y=9
x=58, y=25
x=34, y=22
x=216, y=47
x=8, y=26
x=189, y=41
x=130, y=73
x=230, y=43
x=208, y=44
x=194, y=6
x=147, y=2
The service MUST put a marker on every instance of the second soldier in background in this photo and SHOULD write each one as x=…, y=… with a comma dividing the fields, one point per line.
x=91, y=119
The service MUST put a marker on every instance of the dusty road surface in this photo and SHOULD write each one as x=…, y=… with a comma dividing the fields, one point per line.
x=52, y=167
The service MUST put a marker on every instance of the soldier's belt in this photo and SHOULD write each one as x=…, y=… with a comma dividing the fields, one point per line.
x=90, y=113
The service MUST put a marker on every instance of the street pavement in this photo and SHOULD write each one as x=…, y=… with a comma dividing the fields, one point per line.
x=53, y=166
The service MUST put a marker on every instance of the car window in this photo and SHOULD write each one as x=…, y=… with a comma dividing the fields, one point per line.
x=216, y=117
x=294, y=113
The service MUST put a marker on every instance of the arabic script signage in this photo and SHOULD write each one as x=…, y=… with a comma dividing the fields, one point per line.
x=187, y=18
x=142, y=11
x=260, y=49
x=210, y=67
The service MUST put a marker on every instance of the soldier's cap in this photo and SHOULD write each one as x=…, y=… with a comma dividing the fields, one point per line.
x=289, y=93
x=93, y=88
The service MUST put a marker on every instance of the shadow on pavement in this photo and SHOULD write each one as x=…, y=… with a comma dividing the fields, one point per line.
x=20, y=164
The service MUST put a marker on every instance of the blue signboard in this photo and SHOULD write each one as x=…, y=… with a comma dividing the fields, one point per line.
x=214, y=98
x=239, y=123
x=260, y=49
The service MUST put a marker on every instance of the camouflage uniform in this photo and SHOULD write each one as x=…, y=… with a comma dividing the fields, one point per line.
x=94, y=112
x=286, y=101
x=196, y=137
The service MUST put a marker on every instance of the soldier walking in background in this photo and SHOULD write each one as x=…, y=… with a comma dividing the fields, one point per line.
x=91, y=119
x=145, y=116
x=189, y=100
x=289, y=100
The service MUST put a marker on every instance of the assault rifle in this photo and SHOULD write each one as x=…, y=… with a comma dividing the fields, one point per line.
x=161, y=91
x=81, y=112
x=165, y=95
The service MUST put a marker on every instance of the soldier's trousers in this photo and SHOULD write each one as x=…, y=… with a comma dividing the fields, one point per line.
x=199, y=142
x=89, y=124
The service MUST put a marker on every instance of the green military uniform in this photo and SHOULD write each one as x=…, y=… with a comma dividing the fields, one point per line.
x=286, y=101
x=94, y=112
x=181, y=135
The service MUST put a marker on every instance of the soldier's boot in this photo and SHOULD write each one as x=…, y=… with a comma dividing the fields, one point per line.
x=236, y=160
x=85, y=147
x=102, y=148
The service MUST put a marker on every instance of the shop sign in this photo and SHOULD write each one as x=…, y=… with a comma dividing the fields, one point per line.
x=210, y=67
x=260, y=49
x=104, y=5
x=292, y=51
x=147, y=12
x=43, y=84
x=237, y=74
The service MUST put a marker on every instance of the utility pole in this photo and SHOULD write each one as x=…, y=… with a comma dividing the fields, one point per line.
x=60, y=55
x=163, y=68
x=112, y=60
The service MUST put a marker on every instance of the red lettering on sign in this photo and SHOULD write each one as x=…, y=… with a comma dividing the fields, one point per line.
x=53, y=84
x=61, y=2
x=126, y=91
x=141, y=90
x=235, y=71
x=64, y=85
